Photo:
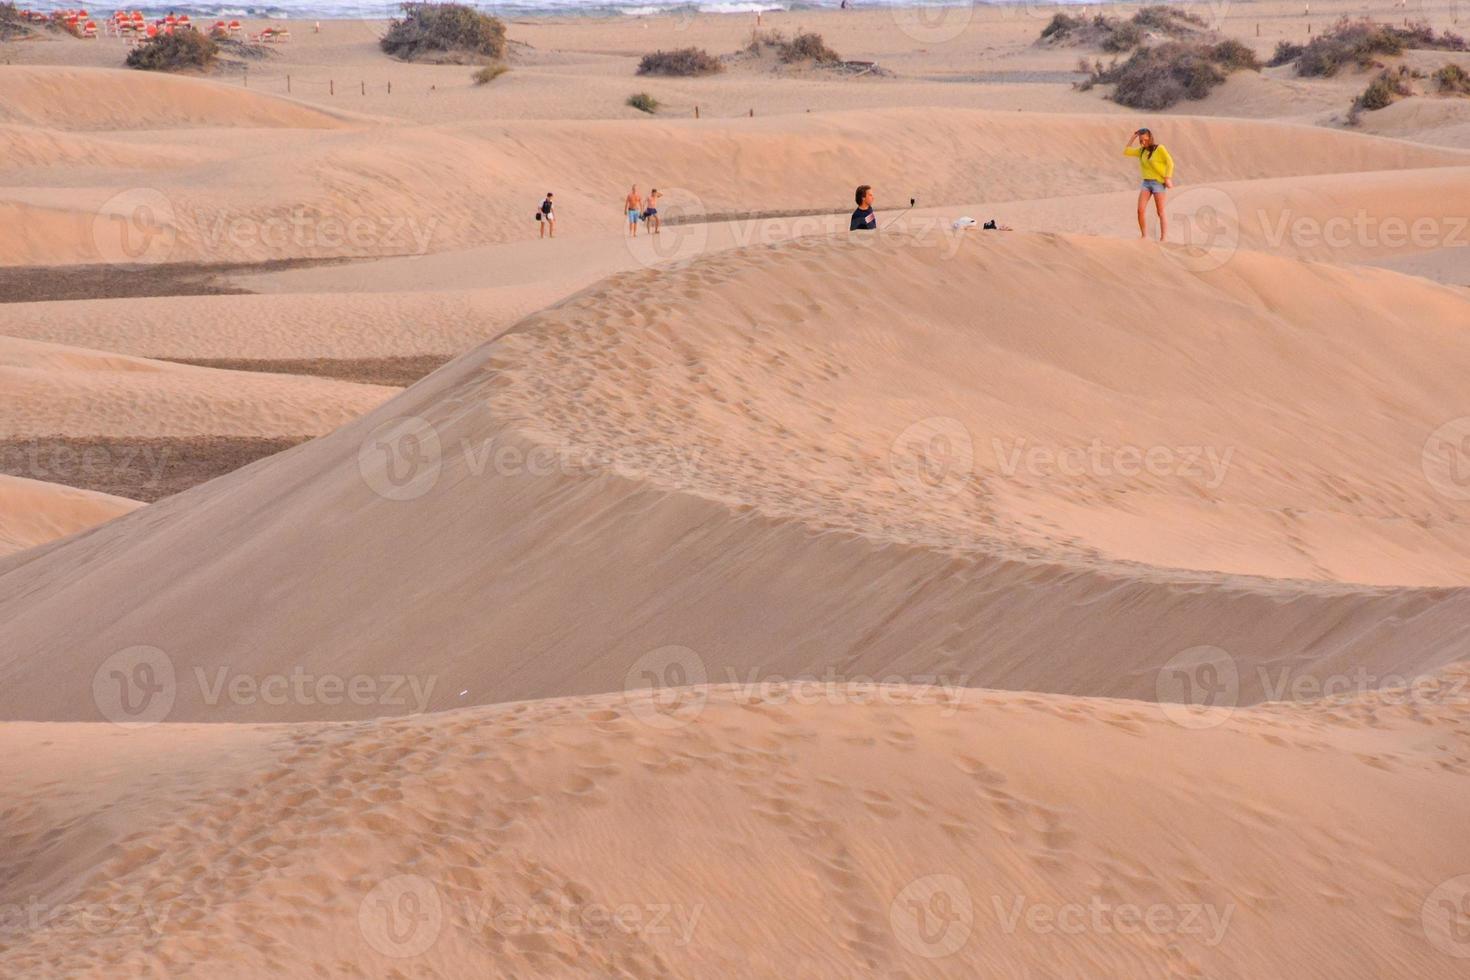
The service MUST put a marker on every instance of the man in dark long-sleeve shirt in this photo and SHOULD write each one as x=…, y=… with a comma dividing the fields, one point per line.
x=863, y=219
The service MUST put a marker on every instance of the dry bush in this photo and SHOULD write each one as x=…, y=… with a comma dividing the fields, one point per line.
x=1381, y=93
x=12, y=25
x=1452, y=80
x=1359, y=42
x=808, y=47
x=179, y=51
x=643, y=102
x=444, y=33
x=1112, y=34
x=489, y=73
x=1286, y=53
x=1158, y=77
x=683, y=62
x=1169, y=20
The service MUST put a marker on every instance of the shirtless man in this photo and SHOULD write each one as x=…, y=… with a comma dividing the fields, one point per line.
x=633, y=204
x=650, y=213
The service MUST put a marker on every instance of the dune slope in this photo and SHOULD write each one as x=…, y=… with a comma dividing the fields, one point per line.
x=34, y=512
x=902, y=832
x=295, y=191
x=904, y=458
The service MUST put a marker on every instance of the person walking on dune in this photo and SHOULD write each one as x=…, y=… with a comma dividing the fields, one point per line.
x=863, y=219
x=650, y=213
x=1157, y=170
x=633, y=204
x=546, y=216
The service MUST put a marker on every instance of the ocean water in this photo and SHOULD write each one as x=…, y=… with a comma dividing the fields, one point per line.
x=384, y=9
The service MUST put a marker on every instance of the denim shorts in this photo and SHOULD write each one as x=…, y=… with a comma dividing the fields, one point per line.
x=1153, y=187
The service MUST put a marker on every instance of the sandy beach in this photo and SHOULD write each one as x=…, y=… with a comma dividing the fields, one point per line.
x=388, y=590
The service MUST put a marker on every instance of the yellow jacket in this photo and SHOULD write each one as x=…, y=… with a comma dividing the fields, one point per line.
x=1157, y=166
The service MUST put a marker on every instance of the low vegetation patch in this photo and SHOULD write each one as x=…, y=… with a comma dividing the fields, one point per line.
x=1169, y=20
x=1113, y=34
x=179, y=51
x=1452, y=80
x=12, y=24
x=444, y=33
x=489, y=73
x=1381, y=93
x=804, y=47
x=1158, y=77
x=684, y=62
x=1286, y=53
x=1359, y=43
x=809, y=46
x=643, y=102
x=1232, y=55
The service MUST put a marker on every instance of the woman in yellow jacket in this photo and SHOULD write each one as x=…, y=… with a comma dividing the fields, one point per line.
x=1157, y=169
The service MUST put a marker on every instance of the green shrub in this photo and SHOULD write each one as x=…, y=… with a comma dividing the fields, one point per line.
x=179, y=51
x=1381, y=93
x=683, y=62
x=1452, y=80
x=643, y=102
x=489, y=73
x=444, y=33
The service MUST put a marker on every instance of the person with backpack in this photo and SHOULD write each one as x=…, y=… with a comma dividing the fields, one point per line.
x=546, y=216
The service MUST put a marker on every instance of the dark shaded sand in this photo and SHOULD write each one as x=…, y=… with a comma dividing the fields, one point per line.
x=141, y=469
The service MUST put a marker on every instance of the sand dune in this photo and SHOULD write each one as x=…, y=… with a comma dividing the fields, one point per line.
x=33, y=512
x=767, y=441
x=1156, y=554
x=347, y=193
x=910, y=833
x=33, y=147
x=51, y=389
x=272, y=327
x=98, y=99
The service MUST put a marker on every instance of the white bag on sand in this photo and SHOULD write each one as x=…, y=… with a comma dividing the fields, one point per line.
x=966, y=222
